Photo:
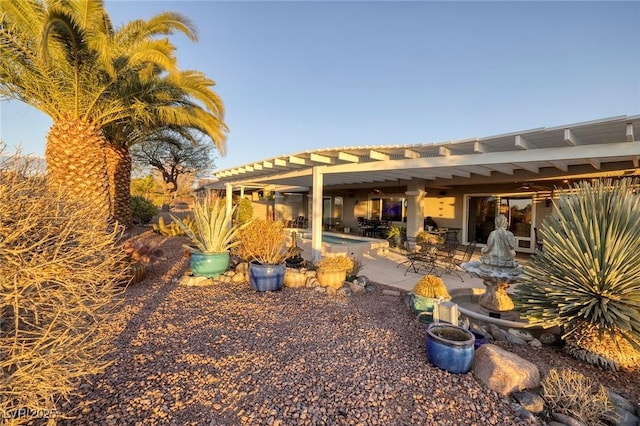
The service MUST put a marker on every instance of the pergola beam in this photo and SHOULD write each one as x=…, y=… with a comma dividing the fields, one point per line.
x=570, y=138
x=317, y=158
x=345, y=156
x=377, y=155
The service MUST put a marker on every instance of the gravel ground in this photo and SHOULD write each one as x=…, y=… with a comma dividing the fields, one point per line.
x=226, y=355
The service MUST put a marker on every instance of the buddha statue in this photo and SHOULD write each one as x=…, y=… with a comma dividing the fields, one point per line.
x=500, y=249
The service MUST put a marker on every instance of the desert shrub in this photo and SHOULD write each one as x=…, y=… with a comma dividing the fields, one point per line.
x=58, y=275
x=142, y=209
x=338, y=262
x=587, y=278
x=568, y=392
x=245, y=210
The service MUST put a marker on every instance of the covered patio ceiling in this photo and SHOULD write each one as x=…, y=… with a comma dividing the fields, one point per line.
x=603, y=147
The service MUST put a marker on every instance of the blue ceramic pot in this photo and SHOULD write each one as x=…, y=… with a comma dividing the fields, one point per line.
x=210, y=265
x=481, y=339
x=450, y=347
x=266, y=277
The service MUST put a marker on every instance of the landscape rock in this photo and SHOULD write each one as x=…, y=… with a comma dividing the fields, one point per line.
x=497, y=333
x=242, y=267
x=192, y=281
x=549, y=338
x=535, y=343
x=620, y=401
x=522, y=334
x=239, y=277
x=503, y=371
x=515, y=339
x=567, y=420
x=622, y=417
x=532, y=402
x=356, y=287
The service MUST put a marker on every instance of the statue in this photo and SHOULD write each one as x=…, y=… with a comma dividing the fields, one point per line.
x=497, y=268
x=500, y=249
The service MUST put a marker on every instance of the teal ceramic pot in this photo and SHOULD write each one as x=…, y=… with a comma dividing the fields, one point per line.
x=266, y=277
x=209, y=265
x=422, y=307
x=450, y=347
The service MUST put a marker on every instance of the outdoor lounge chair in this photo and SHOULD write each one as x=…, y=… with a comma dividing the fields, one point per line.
x=450, y=262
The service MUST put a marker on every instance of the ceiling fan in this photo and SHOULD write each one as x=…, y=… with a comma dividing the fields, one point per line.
x=531, y=187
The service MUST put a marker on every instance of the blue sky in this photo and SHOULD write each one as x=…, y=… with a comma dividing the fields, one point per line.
x=298, y=76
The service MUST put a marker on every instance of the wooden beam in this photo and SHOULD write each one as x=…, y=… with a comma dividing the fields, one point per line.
x=502, y=168
x=410, y=153
x=280, y=162
x=377, y=155
x=521, y=142
x=570, y=138
x=479, y=170
x=345, y=156
x=317, y=158
x=560, y=165
x=257, y=166
x=457, y=172
x=267, y=164
x=479, y=147
x=444, y=151
x=630, y=135
x=595, y=163
x=297, y=160
x=528, y=167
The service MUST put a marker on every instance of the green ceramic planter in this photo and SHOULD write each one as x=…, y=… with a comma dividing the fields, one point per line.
x=209, y=265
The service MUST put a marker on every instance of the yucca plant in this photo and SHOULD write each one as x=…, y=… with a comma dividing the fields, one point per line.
x=587, y=278
x=214, y=231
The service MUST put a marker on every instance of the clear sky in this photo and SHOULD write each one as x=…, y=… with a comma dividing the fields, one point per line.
x=300, y=75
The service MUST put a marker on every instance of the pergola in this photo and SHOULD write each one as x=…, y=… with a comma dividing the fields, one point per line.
x=601, y=147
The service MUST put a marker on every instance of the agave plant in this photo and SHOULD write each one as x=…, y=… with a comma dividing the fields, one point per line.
x=587, y=278
x=214, y=231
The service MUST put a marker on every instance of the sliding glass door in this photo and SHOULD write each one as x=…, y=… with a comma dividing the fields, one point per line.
x=481, y=212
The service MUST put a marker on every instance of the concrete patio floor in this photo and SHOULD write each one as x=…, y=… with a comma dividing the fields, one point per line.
x=387, y=269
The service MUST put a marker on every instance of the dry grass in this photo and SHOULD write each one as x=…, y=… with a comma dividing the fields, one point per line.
x=59, y=270
x=569, y=392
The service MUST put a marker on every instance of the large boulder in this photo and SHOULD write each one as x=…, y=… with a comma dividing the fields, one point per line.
x=503, y=371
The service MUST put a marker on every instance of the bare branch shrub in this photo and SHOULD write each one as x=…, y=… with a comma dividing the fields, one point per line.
x=59, y=270
x=573, y=394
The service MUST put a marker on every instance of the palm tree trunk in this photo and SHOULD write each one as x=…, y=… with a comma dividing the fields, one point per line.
x=119, y=171
x=76, y=162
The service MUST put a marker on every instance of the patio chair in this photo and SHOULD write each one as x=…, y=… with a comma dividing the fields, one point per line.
x=539, y=243
x=450, y=263
x=416, y=259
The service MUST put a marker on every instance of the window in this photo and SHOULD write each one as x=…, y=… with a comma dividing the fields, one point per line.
x=387, y=208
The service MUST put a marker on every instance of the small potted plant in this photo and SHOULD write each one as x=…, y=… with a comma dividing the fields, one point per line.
x=394, y=235
x=262, y=242
x=352, y=273
x=139, y=256
x=213, y=236
x=425, y=294
x=428, y=241
x=332, y=270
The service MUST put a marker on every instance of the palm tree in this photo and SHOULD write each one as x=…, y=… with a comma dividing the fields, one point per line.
x=182, y=104
x=64, y=58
